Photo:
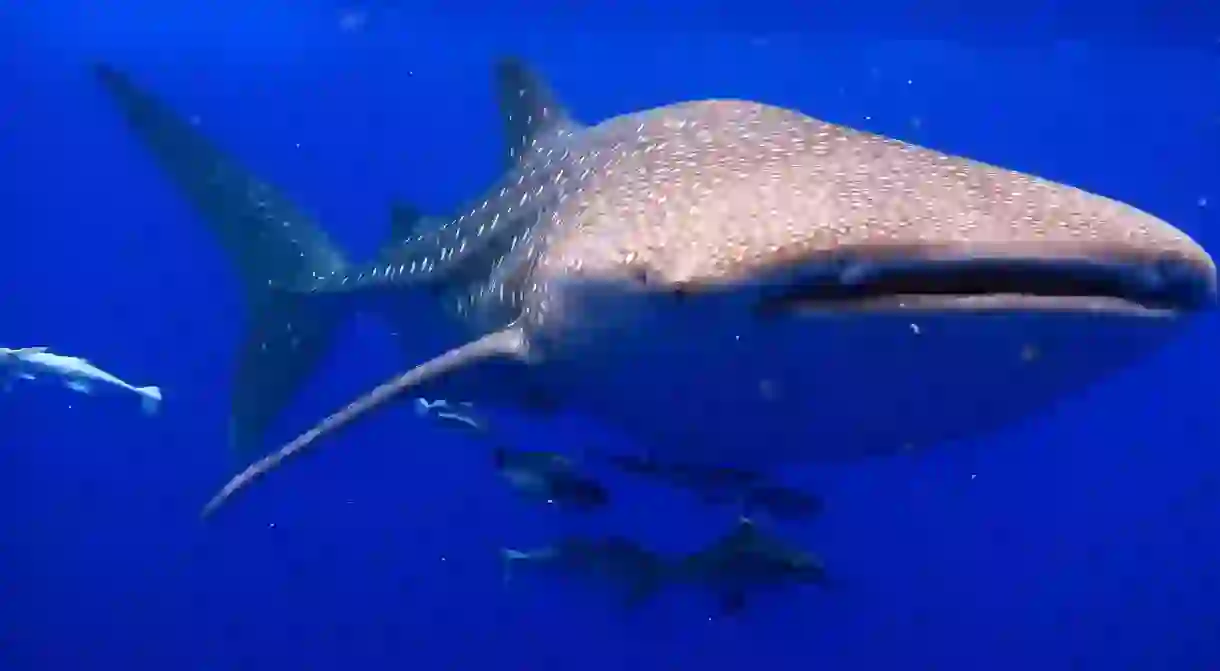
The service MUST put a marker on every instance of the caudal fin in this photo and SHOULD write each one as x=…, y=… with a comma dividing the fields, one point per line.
x=509, y=557
x=270, y=243
x=150, y=399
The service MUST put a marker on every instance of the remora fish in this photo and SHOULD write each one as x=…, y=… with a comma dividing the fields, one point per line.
x=718, y=484
x=550, y=477
x=733, y=282
x=450, y=414
x=621, y=561
x=748, y=560
x=27, y=363
x=271, y=242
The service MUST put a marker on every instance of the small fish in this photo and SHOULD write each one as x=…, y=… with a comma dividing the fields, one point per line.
x=459, y=415
x=77, y=374
x=541, y=475
x=549, y=477
x=713, y=484
x=781, y=502
x=621, y=561
x=725, y=485
x=748, y=560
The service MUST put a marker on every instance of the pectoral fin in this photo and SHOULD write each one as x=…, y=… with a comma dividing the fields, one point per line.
x=509, y=343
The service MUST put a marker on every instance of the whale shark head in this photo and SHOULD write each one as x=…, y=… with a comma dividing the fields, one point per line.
x=746, y=275
x=737, y=283
x=731, y=196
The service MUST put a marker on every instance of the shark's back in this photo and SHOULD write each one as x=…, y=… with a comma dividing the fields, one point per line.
x=712, y=192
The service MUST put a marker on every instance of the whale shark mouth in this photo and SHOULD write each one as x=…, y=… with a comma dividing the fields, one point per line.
x=1170, y=285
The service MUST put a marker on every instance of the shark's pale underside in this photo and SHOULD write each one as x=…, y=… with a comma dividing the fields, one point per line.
x=733, y=282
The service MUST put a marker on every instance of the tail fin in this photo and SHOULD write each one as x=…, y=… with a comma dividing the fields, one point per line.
x=268, y=240
x=150, y=399
x=508, y=557
x=642, y=589
x=406, y=222
x=659, y=573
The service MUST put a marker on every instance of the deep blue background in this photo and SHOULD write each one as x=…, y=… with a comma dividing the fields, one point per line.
x=1086, y=539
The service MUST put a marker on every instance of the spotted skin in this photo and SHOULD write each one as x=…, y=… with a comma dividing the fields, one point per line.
x=630, y=263
x=615, y=204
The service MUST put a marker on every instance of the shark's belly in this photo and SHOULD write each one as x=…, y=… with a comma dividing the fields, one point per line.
x=830, y=388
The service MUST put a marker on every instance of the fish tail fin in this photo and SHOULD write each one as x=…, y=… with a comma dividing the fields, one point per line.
x=642, y=590
x=287, y=336
x=509, y=557
x=150, y=399
x=641, y=576
x=267, y=239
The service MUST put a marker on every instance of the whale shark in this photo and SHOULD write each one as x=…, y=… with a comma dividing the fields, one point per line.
x=728, y=281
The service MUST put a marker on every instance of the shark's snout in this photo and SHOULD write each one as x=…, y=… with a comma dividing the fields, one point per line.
x=1075, y=252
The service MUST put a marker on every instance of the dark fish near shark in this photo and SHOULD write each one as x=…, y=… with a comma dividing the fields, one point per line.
x=621, y=561
x=733, y=282
x=550, y=477
x=711, y=481
x=748, y=560
x=720, y=484
x=781, y=502
x=538, y=474
x=744, y=561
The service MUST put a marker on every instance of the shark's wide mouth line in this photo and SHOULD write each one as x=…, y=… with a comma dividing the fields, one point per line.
x=1161, y=286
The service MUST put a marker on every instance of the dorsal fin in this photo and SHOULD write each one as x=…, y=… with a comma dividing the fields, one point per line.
x=29, y=350
x=406, y=224
x=528, y=106
x=403, y=218
x=406, y=221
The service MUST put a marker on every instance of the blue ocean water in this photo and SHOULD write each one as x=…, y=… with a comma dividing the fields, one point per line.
x=1083, y=539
